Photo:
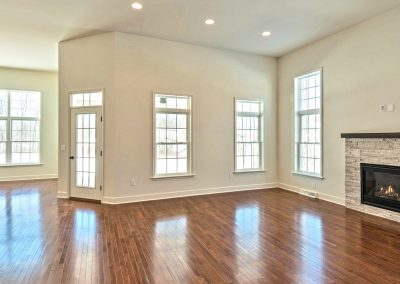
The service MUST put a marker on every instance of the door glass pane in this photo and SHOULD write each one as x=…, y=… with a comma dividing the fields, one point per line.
x=85, y=146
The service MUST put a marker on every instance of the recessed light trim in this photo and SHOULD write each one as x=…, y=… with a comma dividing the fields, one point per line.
x=209, y=22
x=137, y=6
x=266, y=33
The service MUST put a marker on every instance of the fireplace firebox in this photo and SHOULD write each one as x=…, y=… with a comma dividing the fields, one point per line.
x=380, y=186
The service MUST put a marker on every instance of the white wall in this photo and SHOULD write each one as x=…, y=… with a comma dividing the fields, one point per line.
x=132, y=67
x=361, y=68
x=46, y=82
x=86, y=63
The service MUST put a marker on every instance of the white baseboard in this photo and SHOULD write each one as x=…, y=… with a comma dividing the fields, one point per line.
x=185, y=193
x=322, y=196
x=207, y=191
x=27, y=178
x=61, y=194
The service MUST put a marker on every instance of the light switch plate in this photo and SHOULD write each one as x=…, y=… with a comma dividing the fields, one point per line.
x=63, y=148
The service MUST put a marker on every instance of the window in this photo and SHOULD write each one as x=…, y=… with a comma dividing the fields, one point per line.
x=249, y=135
x=172, y=134
x=19, y=127
x=86, y=99
x=308, y=127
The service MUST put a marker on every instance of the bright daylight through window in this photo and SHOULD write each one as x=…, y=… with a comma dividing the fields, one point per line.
x=172, y=133
x=249, y=135
x=308, y=127
x=19, y=127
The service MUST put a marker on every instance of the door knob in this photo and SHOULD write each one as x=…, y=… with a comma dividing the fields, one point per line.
x=72, y=157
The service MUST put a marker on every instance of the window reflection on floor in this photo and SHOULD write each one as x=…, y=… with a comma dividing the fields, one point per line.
x=20, y=228
x=169, y=247
x=311, y=247
x=85, y=225
x=85, y=228
x=247, y=232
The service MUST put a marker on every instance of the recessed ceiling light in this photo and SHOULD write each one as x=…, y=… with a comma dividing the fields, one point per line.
x=210, y=22
x=137, y=6
x=266, y=33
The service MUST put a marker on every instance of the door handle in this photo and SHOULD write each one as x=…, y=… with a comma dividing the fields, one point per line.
x=72, y=157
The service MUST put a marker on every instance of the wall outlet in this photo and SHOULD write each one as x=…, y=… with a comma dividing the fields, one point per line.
x=314, y=186
x=390, y=107
x=132, y=182
x=382, y=107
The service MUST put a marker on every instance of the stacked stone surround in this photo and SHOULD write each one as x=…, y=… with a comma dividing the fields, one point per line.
x=384, y=151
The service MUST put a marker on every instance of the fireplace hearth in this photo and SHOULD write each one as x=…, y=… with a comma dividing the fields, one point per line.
x=380, y=186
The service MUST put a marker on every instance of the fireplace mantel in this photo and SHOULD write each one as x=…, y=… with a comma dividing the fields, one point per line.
x=371, y=135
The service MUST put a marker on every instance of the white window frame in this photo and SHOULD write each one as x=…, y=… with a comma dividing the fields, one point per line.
x=297, y=125
x=260, y=116
x=189, y=134
x=71, y=94
x=9, y=120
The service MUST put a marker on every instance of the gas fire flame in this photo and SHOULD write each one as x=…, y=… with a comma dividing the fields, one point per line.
x=389, y=191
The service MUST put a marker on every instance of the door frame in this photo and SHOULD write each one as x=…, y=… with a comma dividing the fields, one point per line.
x=70, y=93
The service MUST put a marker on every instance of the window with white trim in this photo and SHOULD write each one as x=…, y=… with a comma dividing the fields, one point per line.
x=86, y=99
x=248, y=135
x=308, y=127
x=19, y=127
x=172, y=135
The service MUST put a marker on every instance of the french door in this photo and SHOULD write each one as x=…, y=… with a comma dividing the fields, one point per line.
x=86, y=153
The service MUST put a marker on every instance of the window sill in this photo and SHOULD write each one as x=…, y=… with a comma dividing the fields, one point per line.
x=172, y=176
x=250, y=171
x=308, y=175
x=21, y=165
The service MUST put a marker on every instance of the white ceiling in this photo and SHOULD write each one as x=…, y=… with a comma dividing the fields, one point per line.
x=30, y=30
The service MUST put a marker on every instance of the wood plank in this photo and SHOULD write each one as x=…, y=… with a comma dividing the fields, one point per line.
x=264, y=236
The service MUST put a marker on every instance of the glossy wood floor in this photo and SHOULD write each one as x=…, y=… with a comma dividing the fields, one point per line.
x=266, y=236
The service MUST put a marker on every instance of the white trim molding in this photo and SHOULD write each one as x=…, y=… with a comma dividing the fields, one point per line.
x=299, y=112
x=62, y=194
x=303, y=191
x=27, y=178
x=188, y=142
x=186, y=193
x=260, y=130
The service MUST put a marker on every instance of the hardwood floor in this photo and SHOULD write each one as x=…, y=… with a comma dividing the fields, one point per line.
x=266, y=236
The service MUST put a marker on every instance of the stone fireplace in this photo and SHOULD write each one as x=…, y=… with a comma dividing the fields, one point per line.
x=372, y=180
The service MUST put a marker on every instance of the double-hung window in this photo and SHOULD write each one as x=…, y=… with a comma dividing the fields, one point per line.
x=172, y=135
x=19, y=127
x=248, y=135
x=308, y=126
